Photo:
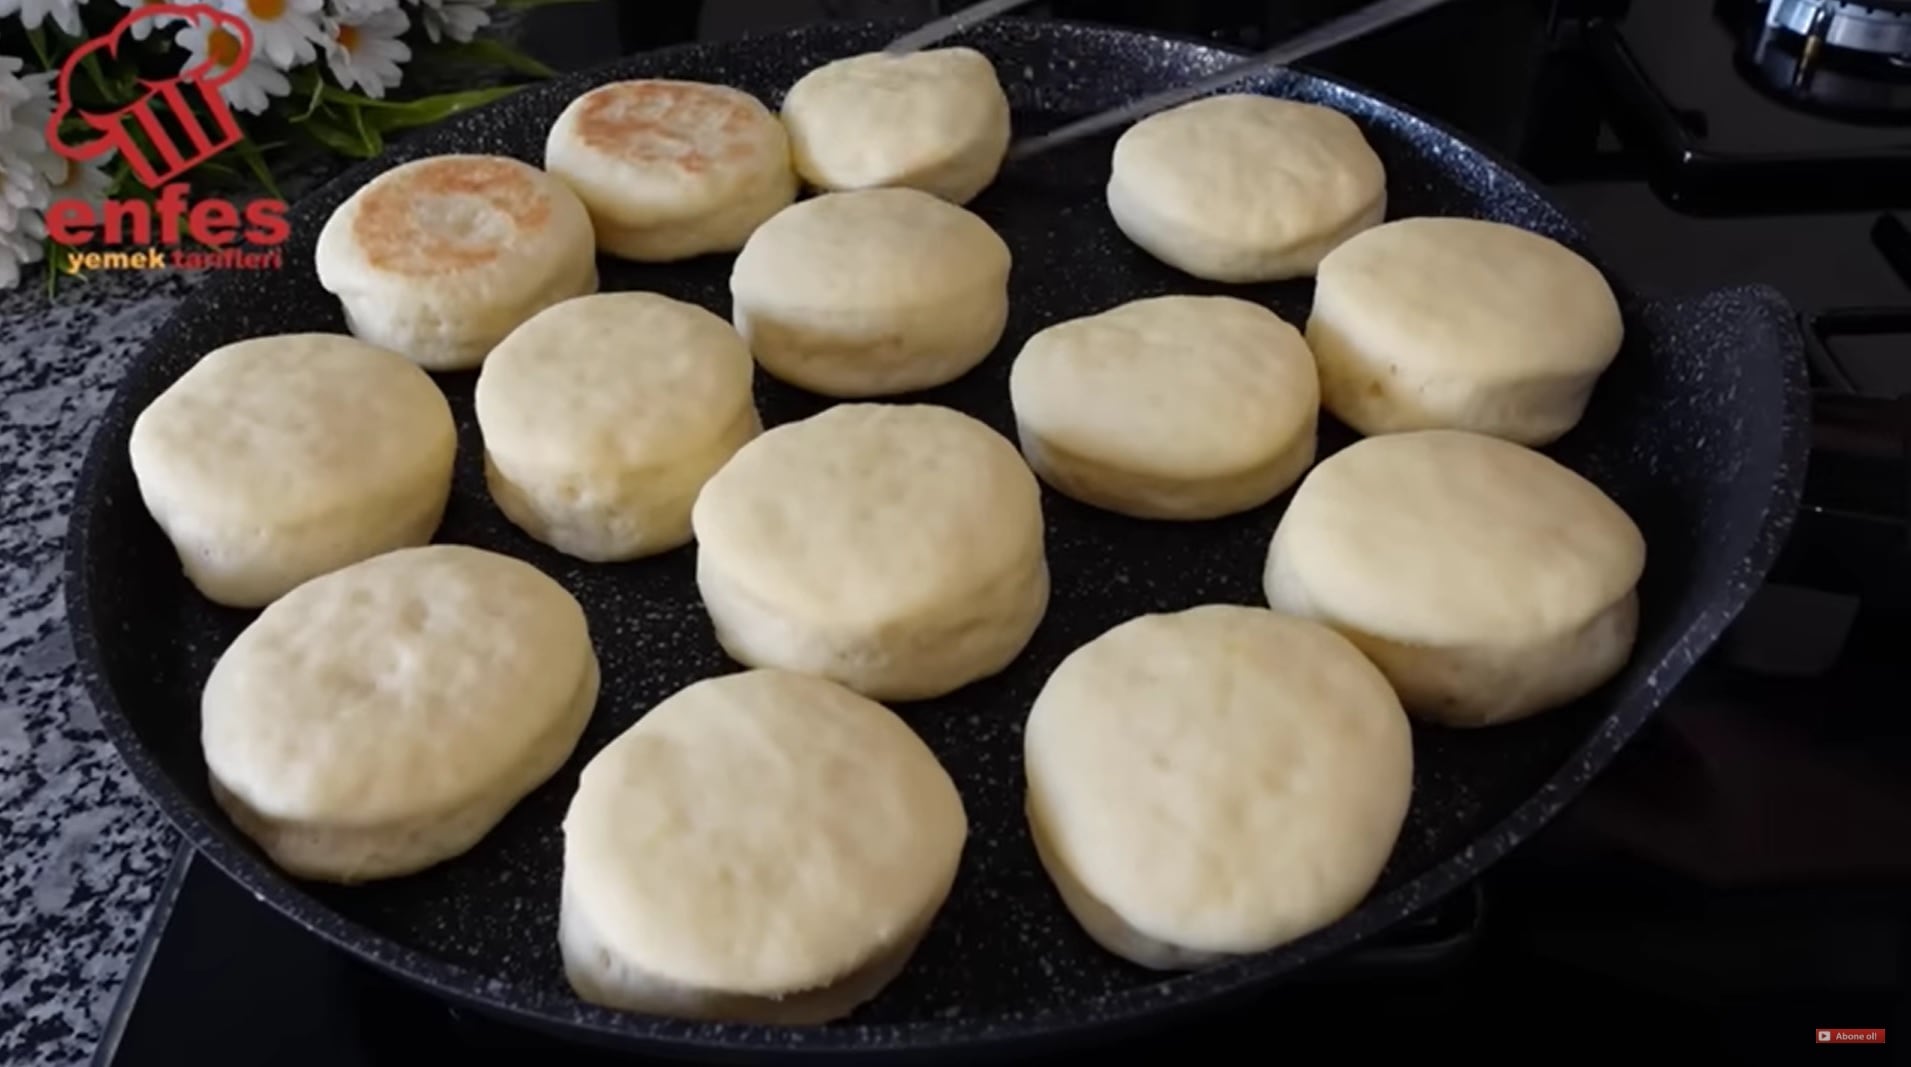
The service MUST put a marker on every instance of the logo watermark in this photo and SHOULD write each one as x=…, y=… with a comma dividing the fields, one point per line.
x=175, y=125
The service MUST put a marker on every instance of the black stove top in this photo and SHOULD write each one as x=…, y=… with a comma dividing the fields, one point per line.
x=1738, y=879
x=1733, y=109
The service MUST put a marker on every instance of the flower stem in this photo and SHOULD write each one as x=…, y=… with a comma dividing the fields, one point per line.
x=37, y=38
x=91, y=65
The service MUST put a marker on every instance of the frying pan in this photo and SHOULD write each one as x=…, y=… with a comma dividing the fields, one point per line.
x=1698, y=431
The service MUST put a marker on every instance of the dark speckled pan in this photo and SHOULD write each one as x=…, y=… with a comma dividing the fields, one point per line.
x=1698, y=431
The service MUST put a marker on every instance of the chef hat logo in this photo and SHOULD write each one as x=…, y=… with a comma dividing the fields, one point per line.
x=184, y=99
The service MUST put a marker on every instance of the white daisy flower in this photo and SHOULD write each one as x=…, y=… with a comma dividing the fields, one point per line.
x=64, y=13
x=27, y=130
x=87, y=181
x=458, y=20
x=25, y=99
x=23, y=195
x=251, y=91
x=144, y=27
x=20, y=246
x=285, y=33
x=356, y=10
x=365, y=52
x=25, y=163
x=13, y=89
x=25, y=160
x=23, y=190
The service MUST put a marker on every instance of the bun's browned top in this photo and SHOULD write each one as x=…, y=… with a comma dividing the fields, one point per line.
x=442, y=216
x=688, y=126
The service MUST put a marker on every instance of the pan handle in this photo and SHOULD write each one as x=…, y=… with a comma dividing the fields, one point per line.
x=1847, y=557
x=1432, y=941
x=1861, y=455
x=1856, y=527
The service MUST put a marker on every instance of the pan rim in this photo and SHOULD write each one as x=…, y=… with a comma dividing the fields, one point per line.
x=1173, y=997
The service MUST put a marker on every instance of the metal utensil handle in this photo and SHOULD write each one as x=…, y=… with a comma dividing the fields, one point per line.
x=950, y=25
x=1322, y=37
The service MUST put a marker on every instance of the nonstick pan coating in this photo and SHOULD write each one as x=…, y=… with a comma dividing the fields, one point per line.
x=1697, y=431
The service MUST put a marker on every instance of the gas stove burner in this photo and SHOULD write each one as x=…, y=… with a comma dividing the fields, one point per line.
x=1840, y=58
x=1871, y=27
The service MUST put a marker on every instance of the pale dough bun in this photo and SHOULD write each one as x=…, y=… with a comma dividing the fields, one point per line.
x=1245, y=188
x=871, y=293
x=604, y=415
x=1214, y=782
x=278, y=459
x=672, y=169
x=896, y=549
x=439, y=258
x=761, y=847
x=1461, y=324
x=935, y=120
x=1169, y=407
x=385, y=717
x=1487, y=581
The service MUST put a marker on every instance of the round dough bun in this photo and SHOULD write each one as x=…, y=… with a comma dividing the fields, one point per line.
x=672, y=169
x=760, y=847
x=1214, y=782
x=277, y=459
x=1245, y=188
x=896, y=549
x=439, y=258
x=604, y=415
x=1171, y=407
x=385, y=717
x=1487, y=581
x=871, y=293
x=1461, y=324
x=935, y=120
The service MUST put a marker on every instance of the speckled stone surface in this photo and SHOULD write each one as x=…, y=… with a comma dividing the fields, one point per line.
x=82, y=850
x=1695, y=432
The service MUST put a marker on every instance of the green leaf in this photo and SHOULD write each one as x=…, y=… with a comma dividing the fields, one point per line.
x=312, y=104
x=254, y=159
x=332, y=94
x=125, y=186
x=125, y=78
x=367, y=136
x=119, y=190
x=216, y=169
x=37, y=38
x=74, y=128
x=91, y=65
x=66, y=40
x=345, y=142
x=387, y=115
x=442, y=105
x=490, y=51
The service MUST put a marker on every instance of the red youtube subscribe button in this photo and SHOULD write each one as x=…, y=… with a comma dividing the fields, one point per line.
x=1850, y=1037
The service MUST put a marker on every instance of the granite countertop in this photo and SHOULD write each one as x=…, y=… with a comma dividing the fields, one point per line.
x=82, y=851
